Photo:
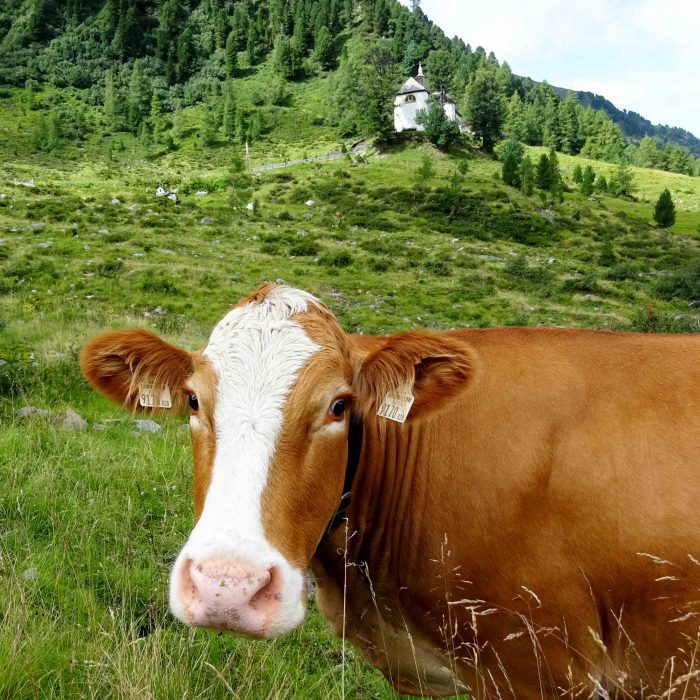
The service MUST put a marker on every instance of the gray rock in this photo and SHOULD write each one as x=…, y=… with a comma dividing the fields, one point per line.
x=206, y=220
x=309, y=215
x=73, y=420
x=309, y=202
x=133, y=207
x=201, y=193
x=45, y=244
x=145, y=425
x=114, y=201
x=30, y=574
x=98, y=427
x=32, y=412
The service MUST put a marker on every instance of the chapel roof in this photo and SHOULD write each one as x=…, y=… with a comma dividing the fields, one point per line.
x=411, y=85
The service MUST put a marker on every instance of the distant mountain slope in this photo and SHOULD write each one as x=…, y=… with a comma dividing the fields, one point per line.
x=634, y=125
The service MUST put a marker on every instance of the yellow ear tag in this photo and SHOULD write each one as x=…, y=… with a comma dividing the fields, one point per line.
x=150, y=398
x=395, y=407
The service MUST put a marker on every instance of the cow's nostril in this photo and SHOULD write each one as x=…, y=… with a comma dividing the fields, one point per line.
x=270, y=593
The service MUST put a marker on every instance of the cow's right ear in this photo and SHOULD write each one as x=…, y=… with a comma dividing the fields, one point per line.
x=128, y=364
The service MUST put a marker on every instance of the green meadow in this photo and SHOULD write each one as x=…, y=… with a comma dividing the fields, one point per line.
x=91, y=520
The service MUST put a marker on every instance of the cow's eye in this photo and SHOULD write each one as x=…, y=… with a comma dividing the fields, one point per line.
x=337, y=409
x=192, y=400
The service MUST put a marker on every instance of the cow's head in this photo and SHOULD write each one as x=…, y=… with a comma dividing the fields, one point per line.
x=270, y=398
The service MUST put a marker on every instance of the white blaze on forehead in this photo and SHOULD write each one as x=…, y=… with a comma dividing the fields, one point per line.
x=257, y=352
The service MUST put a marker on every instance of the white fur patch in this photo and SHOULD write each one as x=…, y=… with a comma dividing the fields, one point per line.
x=257, y=353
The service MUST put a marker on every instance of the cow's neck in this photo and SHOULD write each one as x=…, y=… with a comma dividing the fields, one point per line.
x=357, y=567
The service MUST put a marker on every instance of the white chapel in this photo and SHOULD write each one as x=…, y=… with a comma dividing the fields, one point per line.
x=413, y=97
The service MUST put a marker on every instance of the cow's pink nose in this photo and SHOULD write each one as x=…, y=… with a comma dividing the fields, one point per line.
x=230, y=595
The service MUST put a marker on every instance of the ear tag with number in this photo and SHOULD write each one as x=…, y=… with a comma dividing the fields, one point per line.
x=396, y=407
x=150, y=398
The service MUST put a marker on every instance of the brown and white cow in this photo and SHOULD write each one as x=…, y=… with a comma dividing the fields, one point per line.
x=532, y=530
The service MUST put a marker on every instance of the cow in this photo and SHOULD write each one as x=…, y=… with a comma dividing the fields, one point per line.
x=509, y=512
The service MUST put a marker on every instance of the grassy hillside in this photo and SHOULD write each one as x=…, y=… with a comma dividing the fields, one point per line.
x=91, y=520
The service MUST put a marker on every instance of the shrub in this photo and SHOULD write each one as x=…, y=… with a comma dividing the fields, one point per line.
x=438, y=267
x=623, y=271
x=337, y=260
x=586, y=284
x=159, y=283
x=683, y=284
x=304, y=248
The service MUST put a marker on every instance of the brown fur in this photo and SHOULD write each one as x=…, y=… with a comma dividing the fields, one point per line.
x=117, y=362
x=498, y=540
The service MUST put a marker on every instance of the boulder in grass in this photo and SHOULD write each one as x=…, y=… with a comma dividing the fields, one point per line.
x=144, y=425
x=30, y=412
x=73, y=420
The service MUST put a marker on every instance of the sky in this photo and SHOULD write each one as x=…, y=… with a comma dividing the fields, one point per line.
x=643, y=55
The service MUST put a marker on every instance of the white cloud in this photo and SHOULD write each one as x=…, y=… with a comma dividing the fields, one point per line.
x=640, y=54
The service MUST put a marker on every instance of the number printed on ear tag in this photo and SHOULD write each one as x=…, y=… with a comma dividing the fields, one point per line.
x=395, y=407
x=150, y=398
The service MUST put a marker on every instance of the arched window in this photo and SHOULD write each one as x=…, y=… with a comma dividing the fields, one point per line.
x=410, y=98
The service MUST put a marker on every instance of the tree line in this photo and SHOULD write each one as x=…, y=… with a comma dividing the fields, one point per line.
x=142, y=58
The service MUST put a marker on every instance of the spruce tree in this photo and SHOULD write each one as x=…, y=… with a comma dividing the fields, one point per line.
x=53, y=130
x=323, y=47
x=109, y=105
x=441, y=131
x=206, y=136
x=587, y=181
x=485, y=109
x=155, y=119
x=229, y=123
x=231, y=55
x=577, y=174
x=543, y=174
x=526, y=173
x=621, y=182
x=665, y=210
x=139, y=99
x=511, y=153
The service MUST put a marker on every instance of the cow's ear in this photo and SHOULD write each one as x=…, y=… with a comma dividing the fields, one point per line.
x=433, y=367
x=137, y=369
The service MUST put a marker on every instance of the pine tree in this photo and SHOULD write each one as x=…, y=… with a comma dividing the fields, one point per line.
x=511, y=154
x=323, y=47
x=109, y=107
x=145, y=140
x=38, y=137
x=543, y=174
x=139, y=99
x=241, y=126
x=231, y=55
x=229, y=122
x=556, y=184
x=665, y=210
x=185, y=55
x=648, y=154
x=439, y=130
x=577, y=175
x=439, y=70
x=206, y=136
x=621, y=182
x=526, y=173
x=53, y=130
x=155, y=119
x=601, y=183
x=485, y=110
x=425, y=172
x=178, y=122
x=587, y=181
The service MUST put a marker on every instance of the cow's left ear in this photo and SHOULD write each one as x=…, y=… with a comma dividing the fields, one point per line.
x=137, y=369
x=433, y=367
